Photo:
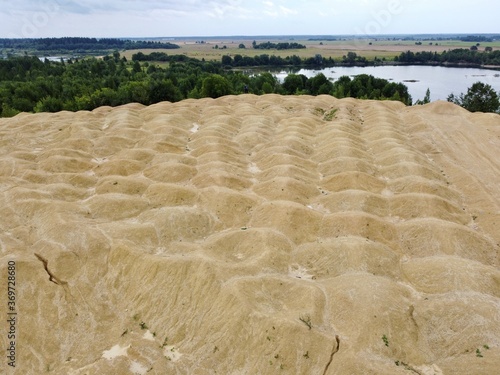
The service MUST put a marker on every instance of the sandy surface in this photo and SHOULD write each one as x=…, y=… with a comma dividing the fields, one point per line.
x=249, y=235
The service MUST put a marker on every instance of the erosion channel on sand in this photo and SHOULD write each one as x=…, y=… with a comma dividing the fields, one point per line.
x=252, y=235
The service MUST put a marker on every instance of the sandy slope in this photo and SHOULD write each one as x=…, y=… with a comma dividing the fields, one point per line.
x=251, y=235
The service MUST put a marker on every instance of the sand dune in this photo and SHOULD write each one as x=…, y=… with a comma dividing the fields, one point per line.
x=253, y=235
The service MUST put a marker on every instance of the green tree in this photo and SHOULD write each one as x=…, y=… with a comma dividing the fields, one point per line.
x=480, y=97
x=49, y=104
x=164, y=90
x=294, y=83
x=427, y=98
x=237, y=59
x=134, y=92
x=227, y=60
x=319, y=84
x=105, y=96
x=263, y=83
x=267, y=88
x=136, y=68
x=350, y=58
x=215, y=86
x=8, y=111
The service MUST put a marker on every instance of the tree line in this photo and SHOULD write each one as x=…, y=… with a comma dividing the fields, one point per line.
x=28, y=84
x=242, y=61
x=455, y=56
x=238, y=60
x=80, y=44
x=278, y=46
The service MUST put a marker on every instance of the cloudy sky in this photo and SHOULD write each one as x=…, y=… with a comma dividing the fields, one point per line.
x=157, y=18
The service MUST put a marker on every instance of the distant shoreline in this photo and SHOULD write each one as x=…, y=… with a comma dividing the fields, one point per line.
x=370, y=64
x=445, y=65
x=448, y=36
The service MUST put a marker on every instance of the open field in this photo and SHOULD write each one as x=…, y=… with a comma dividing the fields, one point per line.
x=252, y=234
x=336, y=49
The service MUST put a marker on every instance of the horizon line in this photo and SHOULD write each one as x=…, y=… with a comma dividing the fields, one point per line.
x=355, y=36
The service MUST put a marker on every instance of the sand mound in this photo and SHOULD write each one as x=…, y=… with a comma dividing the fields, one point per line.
x=253, y=235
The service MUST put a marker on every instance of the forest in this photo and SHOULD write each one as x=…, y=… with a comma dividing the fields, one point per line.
x=278, y=46
x=78, y=45
x=242, y=61
x=455, y=56
x=28, y=84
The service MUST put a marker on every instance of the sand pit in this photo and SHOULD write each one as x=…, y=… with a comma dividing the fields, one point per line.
x=253, y=235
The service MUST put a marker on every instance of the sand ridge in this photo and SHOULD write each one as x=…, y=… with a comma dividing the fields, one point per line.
x=254, y=234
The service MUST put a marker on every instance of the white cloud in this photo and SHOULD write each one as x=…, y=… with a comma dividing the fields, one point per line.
x=41, y=18
x=287, y=11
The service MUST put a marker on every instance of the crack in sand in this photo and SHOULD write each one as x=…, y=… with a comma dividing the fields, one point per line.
x=335, y=349
x=53, y=278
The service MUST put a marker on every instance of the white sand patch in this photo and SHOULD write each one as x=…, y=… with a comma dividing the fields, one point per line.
x=195, y=128
x=137, y=369
x=252, y=168
x=172, y=353
x=116, y=351
x=148, y=336
x=299, y=272
x=429, y=370
x=89, y=173
x=318, y=207
x=160, y=250
x=387, y=193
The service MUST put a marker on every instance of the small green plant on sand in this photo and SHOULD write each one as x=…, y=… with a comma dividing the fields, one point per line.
x=319, y=111
x=330, y=115
x=165, y=342
x=385, y=340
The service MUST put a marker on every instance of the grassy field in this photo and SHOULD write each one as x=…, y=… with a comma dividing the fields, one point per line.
x=214, y=49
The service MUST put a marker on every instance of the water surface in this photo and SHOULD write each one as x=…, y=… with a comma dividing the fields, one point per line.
x=440, y=80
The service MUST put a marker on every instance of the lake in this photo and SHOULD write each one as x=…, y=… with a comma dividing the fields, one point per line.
x=441, y=81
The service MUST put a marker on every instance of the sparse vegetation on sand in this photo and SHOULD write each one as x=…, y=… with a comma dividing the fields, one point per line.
x=258, y=236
